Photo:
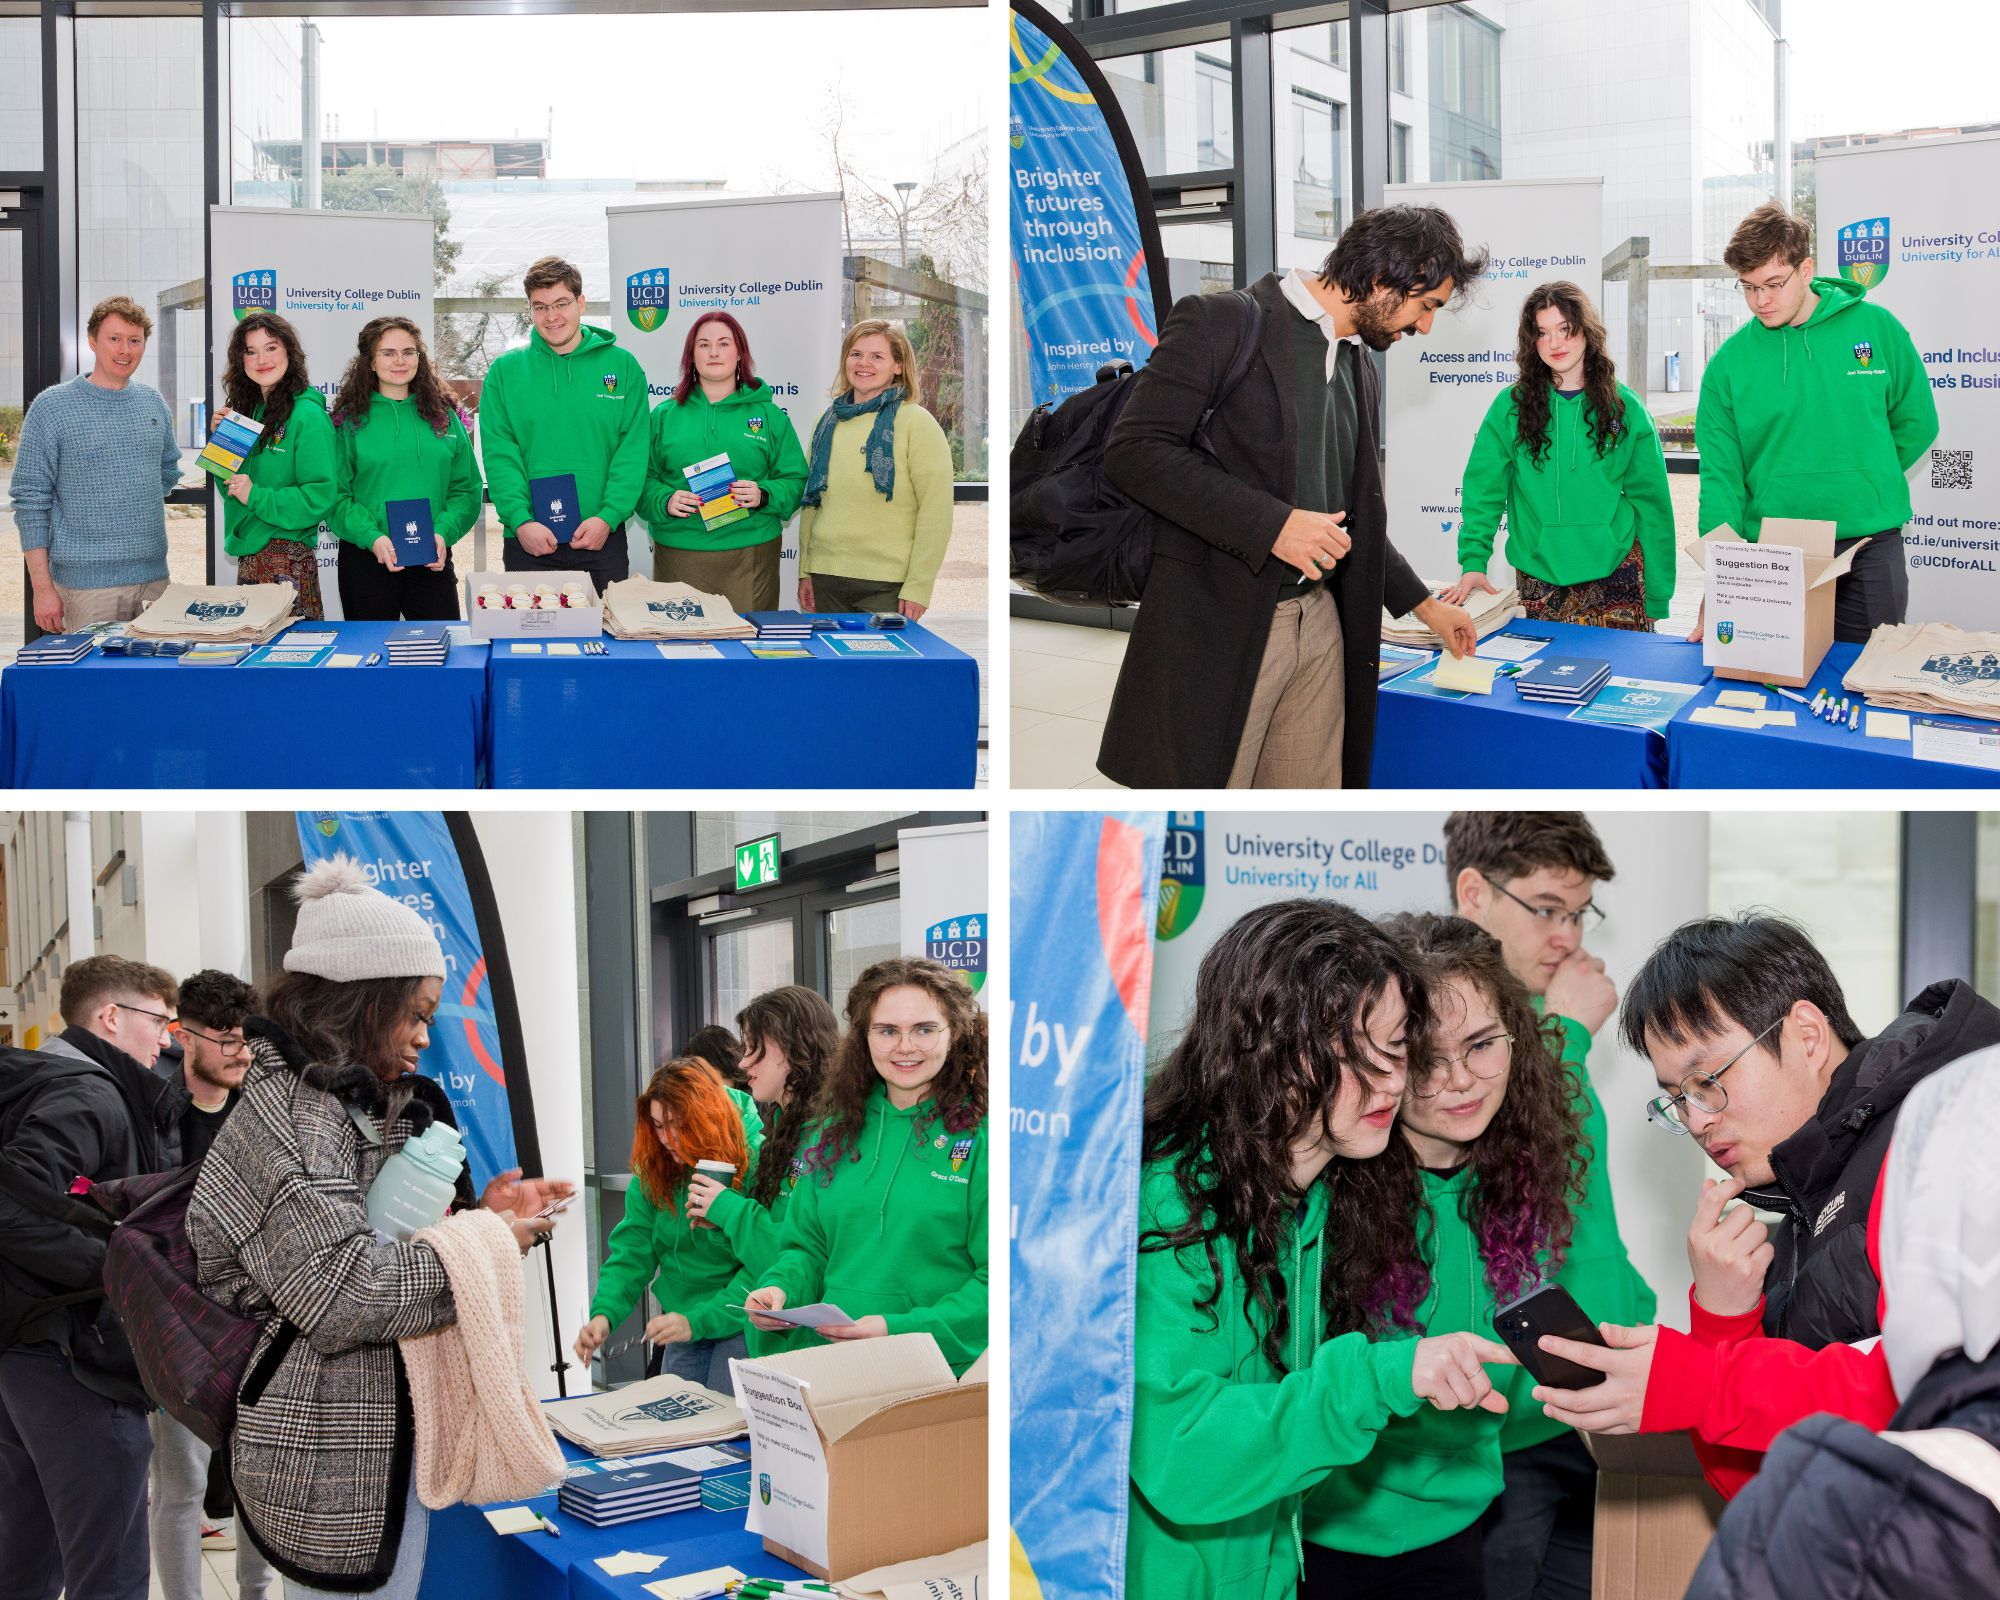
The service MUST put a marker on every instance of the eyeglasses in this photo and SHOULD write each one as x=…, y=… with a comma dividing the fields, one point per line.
x=1588, y=920
x=1702, y=1090
x=922, y=1033
x=549, y=308
x=222, y=1042
x=1483, y=1058
x=1758, y=293
x=160, y=1017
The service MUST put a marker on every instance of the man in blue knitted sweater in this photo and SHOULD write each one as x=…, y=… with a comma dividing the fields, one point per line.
x=96, y=461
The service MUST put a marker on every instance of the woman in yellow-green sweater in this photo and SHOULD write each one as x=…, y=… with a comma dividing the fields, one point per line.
x=877, y=511
x=272, y=506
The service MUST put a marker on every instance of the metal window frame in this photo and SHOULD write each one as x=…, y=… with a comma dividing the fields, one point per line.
x=1939, y=896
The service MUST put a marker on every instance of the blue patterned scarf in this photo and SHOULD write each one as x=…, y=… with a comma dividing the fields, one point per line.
x=879, y=451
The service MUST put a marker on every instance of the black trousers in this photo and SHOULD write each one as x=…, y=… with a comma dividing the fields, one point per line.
x=605, y=566
x=1875, y=590
x=73, y=1471
x=1448, y=1570
x=370, y=592
x=1538, y=1533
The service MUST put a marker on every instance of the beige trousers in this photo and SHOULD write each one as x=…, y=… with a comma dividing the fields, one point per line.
x=81, y=607
x=1298, y=713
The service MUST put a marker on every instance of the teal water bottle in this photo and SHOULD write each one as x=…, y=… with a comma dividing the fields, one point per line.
x=416, y=1184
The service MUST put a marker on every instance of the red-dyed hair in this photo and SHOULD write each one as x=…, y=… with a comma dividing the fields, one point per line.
x=705, y=1123
x=746, y=374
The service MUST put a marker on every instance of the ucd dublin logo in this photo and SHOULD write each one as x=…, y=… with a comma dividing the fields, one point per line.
x=1864, y=352
x=215, y=610
x=1725, y=633
x=326, y=823
x=959, y=943
x=1017, y=132
x=764, y=1487
x=1181, y=876
x=1864, y=251
x=961, y=1153
x=255, y=290
x=676, y=610
x=646, y=299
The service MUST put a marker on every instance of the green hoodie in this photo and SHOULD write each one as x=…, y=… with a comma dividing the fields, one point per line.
x=1822, y=421
x=1430, y=1474
x=1596, y=1271
x=1223, y=1446
x=755, y=1234
x=692, y=1270
x=394, y=454
x=898, y=1229
x=1573, y=516
x=754, y=432
x=291, y=482
x=584, y=413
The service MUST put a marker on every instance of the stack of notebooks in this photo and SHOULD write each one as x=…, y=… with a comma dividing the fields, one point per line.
x=249, y=613
x=56, y=649
x=420, y=644
x=648, y=1488
x=1562, y=680
x=1490, y=613
x=640, y=608
x=775, y=626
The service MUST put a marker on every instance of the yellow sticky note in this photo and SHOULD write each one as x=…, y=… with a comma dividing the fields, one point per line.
x=344, y=661
x=627, y=1562
x=1742, y=699
x=1469, y=674
x=696, y=1585
x=1778, y=719
x=562, y=649
x=521, y=649
x=514, y=1519
x=1887, y=725
x=1727, y=717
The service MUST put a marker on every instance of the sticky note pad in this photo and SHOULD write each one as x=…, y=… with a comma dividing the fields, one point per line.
x=630, y=1561
x=1467, y=674
x=514, y=1519
x=1887, y=724
x=696, y=1585
x=1727, y=717
x=344, y=661
x=521, y=649
x=1741, y=699
x=565, y=649
x=1778, y=719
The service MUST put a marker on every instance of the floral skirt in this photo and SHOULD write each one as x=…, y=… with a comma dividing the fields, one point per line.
x=1616, y=601
x=290, y=561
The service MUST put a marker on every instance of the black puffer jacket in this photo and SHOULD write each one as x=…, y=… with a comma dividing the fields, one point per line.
x=1820, y=1289
x=82, y=1109
x=1839, y=1513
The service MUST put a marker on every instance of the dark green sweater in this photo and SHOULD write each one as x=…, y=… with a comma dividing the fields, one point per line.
x=1329, y=419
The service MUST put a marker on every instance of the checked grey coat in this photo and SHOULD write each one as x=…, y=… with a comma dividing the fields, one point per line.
x=323, y=1446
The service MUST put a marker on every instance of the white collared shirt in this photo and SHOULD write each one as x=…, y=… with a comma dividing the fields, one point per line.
x=1293, y=285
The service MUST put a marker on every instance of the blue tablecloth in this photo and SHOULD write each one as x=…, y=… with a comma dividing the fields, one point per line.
x=632, y=719
x=1500, y=741
x=156, y=723
x=1812, y=755
x=467, y=1558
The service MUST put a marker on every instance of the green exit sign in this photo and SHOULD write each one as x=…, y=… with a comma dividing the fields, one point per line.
x=757, y=863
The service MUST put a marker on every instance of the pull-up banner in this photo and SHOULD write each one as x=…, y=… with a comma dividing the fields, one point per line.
x=1083, y=234
x=411, y=857
x=1084, y=896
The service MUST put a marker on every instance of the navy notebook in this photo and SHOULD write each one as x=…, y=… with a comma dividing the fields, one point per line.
x=411, y=532
x=555, y=504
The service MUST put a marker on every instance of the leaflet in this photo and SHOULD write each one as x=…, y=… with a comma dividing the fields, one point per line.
x=235, y=436
x=709, y=482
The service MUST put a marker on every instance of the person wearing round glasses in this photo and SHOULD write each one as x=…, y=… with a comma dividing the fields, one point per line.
x=1529, y=879
x=1816, y=407
x=888, y=1221
x=1760, y=1063
x=1468, y=1209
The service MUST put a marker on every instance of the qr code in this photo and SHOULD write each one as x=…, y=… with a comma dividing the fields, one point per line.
x=1951, y=469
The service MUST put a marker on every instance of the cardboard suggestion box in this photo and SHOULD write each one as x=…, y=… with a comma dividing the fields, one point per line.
x=1655, y=1516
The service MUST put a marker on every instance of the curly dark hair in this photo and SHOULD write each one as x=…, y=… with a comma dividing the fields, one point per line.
x=1528, y=1166
x=802, y=1025
x=359, y=385
x=244, y=396
x=1277, y=1027
x=958, y=1093
x=215, y=999
x=1600, y=374
x=1405, y=248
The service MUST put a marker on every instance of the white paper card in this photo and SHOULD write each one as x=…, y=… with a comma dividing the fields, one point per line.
x=630, y=1561
x=695, y=1585
x=823, y=1315
x=1965, y=745
x=1887, y=725
x=688, y=650
x=788, y=1502
x=520, y=649
x=1756, y=608
x=514, y=1519
x=1742, y=699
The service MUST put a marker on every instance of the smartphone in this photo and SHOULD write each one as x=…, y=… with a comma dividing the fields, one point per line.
x=1548, y=1310
x=556, y=1208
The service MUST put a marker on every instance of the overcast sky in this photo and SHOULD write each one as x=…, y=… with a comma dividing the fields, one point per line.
x=676, y=96
x=1872, y=65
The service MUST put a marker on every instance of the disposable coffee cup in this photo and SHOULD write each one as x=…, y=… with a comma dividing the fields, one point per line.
x=723, y=1172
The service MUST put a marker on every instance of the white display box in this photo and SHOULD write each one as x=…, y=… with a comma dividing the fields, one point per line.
x=561, y=622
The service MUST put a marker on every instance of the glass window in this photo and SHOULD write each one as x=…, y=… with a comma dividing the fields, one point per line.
x=745, y=962
x=1399, y=152
x=20, y=94
x=1986, y=907
x=1316, y=186
x=856, y=938
x=718, y=833
x=1399, y=53
x=1215, y=126
x=13, y=351
x=1174, y=101
x=1839, y=875
x=1465, y=96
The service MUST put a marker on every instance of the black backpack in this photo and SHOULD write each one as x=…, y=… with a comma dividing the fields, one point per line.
x=1073, y=537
